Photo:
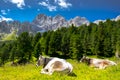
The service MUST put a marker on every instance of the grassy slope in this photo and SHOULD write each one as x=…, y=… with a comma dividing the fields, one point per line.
x=11, y=36
x=82, y=71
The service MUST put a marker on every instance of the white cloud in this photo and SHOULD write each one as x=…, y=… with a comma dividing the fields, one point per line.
x=113, y=19
x=63, y=3
x=117, y=18
x=3, y=12
x=2, y=18
x=50, y=7
x=98, y=21
x=19, y=3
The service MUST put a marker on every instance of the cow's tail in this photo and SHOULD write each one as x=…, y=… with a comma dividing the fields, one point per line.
x=70, y=67
x=71, y=73
x=113, y=63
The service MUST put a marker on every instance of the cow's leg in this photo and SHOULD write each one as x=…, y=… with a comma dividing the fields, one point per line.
x=44, y=71
x=102, y=66
x=50, y=71
x=47, y=71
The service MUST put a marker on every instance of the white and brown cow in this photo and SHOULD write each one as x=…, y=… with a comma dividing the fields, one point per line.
x=53, y=64
x=97, y=63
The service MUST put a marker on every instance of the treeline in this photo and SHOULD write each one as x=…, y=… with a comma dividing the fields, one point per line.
x=101, y=40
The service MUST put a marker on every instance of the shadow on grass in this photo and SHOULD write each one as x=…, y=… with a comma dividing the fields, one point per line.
x=72, y=75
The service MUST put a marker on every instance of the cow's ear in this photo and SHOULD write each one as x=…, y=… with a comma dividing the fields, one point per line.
x=40, y=56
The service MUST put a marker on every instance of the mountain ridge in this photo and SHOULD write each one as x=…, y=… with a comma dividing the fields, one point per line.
x=42, y=23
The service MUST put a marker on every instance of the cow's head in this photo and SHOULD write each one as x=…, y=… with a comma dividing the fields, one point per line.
x=84, y=59
x=40, y=60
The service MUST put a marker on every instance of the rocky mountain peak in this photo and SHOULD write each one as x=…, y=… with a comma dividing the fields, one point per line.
x=42, y=23
x=58, y=17
x=52, y=23
x=40, y=16
x=77, y=21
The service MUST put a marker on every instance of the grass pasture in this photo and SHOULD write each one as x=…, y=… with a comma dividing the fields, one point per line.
x=81, y=71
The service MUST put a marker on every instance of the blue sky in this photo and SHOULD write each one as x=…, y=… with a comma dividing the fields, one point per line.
x=26, y=10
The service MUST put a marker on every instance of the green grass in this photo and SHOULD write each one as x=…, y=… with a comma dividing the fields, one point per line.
x=82, y=72
x=11, y=36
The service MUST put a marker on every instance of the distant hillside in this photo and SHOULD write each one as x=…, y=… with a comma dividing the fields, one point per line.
x=11, y=36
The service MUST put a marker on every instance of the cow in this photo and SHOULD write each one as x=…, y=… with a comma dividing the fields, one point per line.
x=97, y=63
x=51, y=64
